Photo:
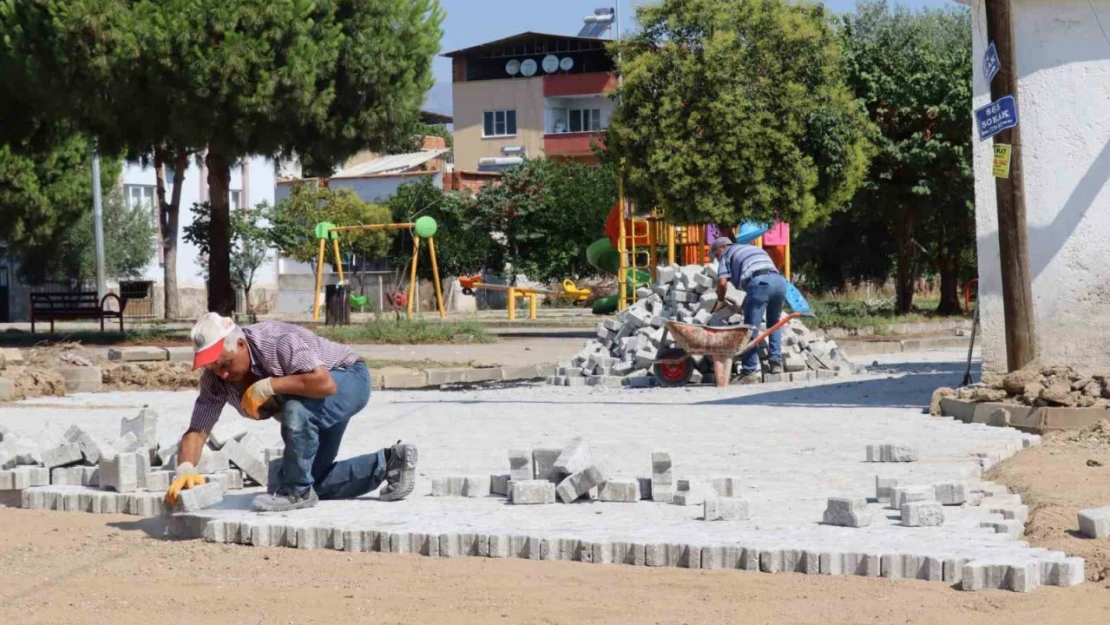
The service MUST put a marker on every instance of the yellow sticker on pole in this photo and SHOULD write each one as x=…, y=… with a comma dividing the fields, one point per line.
x=1002, y=154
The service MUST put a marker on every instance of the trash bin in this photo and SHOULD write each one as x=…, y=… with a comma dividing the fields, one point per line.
x=338, y=307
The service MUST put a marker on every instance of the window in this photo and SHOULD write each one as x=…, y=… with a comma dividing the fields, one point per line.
x=499, y=123
x=139, y=195
x=585, y=120
x=236, y=200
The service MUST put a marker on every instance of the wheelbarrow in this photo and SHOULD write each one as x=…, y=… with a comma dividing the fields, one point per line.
x=674, y=365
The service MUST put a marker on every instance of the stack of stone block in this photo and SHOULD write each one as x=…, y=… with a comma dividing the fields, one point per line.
x=628, y=344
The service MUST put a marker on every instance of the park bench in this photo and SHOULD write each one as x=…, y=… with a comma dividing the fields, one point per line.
x=75, y=305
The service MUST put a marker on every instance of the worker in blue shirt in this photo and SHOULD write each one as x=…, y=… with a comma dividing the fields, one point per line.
x=751, y=270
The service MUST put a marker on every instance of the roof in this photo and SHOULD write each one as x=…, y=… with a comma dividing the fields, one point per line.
x=390, y=164
x=518, y=38
x=428, y=117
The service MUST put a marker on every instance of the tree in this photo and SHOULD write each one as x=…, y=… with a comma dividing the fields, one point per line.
x=128, y=236
x=913, y=72
x=321, y=79
x=736, y=109
x=250, y=242
x=460, y=249
x=545, y=213
x=45, y=193
x=294, y=219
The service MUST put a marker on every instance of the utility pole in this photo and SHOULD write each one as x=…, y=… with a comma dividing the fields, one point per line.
x=1013, y=244
x=98, y=225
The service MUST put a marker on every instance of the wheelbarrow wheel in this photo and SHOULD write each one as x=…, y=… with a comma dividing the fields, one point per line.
x=673, y=367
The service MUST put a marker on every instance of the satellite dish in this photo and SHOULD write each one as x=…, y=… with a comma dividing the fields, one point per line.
x=512, y=68
x=566, y=63
x=550, y=63
x=528, y=67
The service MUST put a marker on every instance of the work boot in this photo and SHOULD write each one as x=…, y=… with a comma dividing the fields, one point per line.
x=749, y=377
x=775, y=367
x=284, y=501
x=400, y=472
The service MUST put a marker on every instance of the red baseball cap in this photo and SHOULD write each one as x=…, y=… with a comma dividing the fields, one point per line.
x=208, y=338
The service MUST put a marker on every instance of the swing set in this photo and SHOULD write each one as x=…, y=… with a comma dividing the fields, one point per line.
x=423, y=228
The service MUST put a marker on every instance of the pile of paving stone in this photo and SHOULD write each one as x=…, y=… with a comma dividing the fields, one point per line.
x=1059, y=386
x=548, y=475
x=130, y=475
x=627, y=345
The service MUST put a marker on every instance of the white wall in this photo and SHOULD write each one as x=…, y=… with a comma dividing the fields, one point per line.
x=1063, y=61
x=260, y=187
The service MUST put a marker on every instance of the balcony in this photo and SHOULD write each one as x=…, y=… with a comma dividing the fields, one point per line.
x=572, y=144
x=563, y=85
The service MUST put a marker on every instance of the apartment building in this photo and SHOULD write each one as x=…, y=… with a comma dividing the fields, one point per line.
x=530, y=95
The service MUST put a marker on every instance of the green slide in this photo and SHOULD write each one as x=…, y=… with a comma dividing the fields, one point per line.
x=603, y=256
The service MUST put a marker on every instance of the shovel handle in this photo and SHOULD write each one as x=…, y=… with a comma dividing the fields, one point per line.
x=769, y=331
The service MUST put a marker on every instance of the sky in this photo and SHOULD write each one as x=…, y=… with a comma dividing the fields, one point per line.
x=471, y=22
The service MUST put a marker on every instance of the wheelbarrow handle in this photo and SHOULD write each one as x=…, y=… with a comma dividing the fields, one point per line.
x=769, y=331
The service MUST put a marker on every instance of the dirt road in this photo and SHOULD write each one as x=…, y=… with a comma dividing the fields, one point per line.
x=68, y=568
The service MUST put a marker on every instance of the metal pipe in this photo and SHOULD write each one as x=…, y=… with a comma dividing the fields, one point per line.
x=98, y=226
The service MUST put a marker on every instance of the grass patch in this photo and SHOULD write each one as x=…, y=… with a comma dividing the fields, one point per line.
x=408, y=332
x=877, y=315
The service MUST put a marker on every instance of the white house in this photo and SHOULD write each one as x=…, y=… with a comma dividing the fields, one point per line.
x=252, y=182
x=1063, y=63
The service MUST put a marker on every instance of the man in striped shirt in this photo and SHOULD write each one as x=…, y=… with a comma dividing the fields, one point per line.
x=308, y=384
x=751, y=270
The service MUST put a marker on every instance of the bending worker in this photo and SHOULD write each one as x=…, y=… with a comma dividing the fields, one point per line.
x=751, y=270
x=308, y=384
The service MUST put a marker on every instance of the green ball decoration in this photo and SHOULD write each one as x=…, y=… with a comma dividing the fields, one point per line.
x=426, y=227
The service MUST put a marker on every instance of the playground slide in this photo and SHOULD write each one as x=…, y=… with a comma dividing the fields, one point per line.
x=603, y=256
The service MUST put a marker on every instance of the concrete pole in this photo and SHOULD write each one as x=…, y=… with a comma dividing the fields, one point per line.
x=98, y=225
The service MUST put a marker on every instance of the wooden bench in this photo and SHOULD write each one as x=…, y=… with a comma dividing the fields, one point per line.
x=75, y=305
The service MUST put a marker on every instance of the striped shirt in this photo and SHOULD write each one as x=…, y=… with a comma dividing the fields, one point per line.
x=276, y=349
x=739, y=262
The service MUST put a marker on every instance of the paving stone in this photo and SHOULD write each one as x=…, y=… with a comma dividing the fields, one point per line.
x=246, y=454
x=165, y=454
x=211, y=461
x=574, y=457
x=120, y=473
x=883, y=488
x=533, y=492
x=29, y=477
x=461, y=486
x=770, y=560
x=726, y=486
x=1009, y=511
x=226, y=430
x=1095, y=522
x=499, y=484
x=847, y=512
x=578, y=484
x=950, y=493
x=145, y=504
x=72, y=476
x=127, y=443
x=144, y=426
x=645, y=487
x=1011, y=527
x=726, y=509
x=1067, y=572
x=691, y=493
x=990, y=575
x=922, y=514
x=900, y=495
x=159, y=480
x=662, y=476
x=198, y=497
x=620, y=490
x=499, y=545
x=91, y=446
x=520, y=465
x=543, y=464
x=62, y=456
x=525, y=547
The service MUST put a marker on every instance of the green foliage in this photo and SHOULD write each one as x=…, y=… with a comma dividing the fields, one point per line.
x=440, y=130
x=321, y=79
x=545, y=214
x=460, y=249
x=405, y=331
x=294, y=219
x=250, y=240
x=45, y=192
x=913, y=72
x=129, y=242
x=737, y=109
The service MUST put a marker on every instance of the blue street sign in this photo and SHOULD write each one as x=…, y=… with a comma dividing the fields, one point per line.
x=996, y=117
x=991, y=63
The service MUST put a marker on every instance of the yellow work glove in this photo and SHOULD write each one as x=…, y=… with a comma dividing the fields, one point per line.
x=254, y=397
x=187, y=477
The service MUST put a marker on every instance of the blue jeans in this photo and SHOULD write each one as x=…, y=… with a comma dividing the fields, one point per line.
x=312, y=430
x=764, y=294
